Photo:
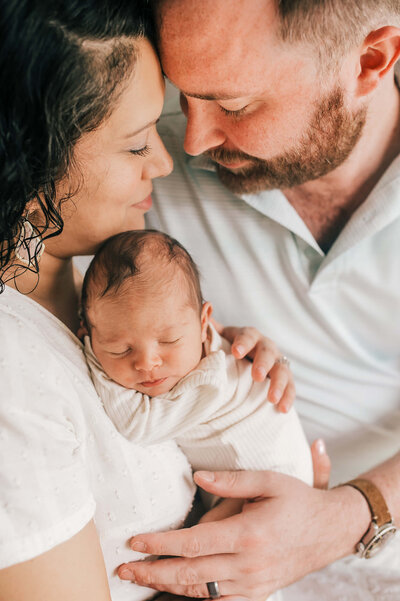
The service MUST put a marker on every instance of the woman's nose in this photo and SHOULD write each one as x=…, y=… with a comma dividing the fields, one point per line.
x=159, y=163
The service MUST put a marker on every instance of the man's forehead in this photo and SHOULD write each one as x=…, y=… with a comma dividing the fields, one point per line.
x=228, y=44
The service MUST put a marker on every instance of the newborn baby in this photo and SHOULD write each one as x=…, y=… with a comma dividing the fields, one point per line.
x=162, y=371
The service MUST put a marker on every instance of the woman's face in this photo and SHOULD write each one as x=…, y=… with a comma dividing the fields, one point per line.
x=115, y=165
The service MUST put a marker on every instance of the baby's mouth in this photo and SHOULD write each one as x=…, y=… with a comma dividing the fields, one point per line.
x=150, y=383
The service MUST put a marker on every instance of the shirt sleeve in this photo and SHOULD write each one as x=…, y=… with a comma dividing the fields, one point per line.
x=45, y=491
x=152, y=420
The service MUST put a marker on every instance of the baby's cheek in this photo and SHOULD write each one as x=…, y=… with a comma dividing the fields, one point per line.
x=120, y=372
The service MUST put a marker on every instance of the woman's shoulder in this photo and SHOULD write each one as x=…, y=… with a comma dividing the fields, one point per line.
x=43, y=390
x=39, y=357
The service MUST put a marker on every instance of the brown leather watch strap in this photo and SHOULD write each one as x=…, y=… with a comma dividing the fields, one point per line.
x=377, y=504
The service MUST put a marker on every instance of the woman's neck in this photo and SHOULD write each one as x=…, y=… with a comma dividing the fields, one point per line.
x=57, y=288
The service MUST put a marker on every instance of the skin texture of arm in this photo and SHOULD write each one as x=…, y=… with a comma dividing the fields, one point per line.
x=72, y=571
x=286, y=531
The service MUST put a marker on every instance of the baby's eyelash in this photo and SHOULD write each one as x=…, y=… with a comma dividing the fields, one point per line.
x=169, y=341
x=121, y=354
x=142, y=152
x=233, y=113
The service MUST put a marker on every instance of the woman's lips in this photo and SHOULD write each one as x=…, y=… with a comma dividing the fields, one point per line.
x=152, y=383
x=144, y=204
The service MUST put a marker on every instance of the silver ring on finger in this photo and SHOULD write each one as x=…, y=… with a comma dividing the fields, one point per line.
x=213, y=590
x=282, y=360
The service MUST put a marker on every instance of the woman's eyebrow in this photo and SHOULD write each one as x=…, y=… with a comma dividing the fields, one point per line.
x=134, y=133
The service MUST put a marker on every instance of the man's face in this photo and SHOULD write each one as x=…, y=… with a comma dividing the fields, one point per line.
x=256, y=106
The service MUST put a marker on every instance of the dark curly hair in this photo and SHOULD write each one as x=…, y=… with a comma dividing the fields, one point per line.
x=62, y=63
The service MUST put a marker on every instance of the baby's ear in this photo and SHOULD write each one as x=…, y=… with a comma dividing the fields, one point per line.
x=206, y=312
x=82, y=330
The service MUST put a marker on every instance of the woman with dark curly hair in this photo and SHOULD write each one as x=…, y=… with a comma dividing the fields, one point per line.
x=81, y=91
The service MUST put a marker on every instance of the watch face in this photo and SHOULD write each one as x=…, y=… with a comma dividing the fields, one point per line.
x=379, y=541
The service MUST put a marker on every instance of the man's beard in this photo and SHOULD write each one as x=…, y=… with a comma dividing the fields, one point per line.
x=327, y=142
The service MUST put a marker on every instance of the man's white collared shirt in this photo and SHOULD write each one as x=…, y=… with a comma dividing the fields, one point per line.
x=335, y=315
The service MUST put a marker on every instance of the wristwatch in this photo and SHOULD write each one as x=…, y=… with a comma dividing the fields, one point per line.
x=382, y=528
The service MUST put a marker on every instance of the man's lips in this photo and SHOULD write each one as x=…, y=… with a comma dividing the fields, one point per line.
x=144, y=204
x=151, y=383
x=233, y=165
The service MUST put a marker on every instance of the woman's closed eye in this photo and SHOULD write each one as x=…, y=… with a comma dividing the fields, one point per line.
x=142, y=152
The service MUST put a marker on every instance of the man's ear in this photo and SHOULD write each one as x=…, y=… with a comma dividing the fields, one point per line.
x=206, y=312
x=380, y=51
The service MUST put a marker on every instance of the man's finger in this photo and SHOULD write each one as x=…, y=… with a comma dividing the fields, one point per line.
x=279, y=376
x=178, y=571
x=243, y=340
x=242, y=484
x=191, y=542
x=288, y=398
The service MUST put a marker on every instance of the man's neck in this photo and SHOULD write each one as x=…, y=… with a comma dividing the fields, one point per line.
x=56, y=288
x=326, y=204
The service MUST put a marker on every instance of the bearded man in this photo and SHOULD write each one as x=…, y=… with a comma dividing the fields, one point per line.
x=287, y=194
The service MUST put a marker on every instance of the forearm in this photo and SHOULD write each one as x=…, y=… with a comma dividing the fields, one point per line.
x=386, y=477
x=353, y=507
x=72, y=570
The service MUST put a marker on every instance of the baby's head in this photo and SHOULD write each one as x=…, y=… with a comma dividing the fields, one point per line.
x=143, y=310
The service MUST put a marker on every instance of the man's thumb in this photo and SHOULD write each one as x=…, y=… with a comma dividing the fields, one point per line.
x=241, y=484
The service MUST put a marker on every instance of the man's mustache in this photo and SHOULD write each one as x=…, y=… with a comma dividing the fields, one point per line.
x=228, y=156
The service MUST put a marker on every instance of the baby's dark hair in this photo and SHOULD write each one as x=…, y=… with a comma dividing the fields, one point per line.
x=122, y=257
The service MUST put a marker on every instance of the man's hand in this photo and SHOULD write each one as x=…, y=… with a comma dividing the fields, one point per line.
x=283, y=531
x=249, y=342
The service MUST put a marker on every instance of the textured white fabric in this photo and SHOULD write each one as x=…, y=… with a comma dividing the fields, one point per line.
x=334, y=315
x=219, y=417
x=63, y=461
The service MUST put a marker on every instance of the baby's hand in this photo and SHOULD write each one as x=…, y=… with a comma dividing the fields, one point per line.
x=267, y=362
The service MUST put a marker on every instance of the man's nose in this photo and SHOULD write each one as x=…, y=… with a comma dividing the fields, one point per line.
x=146, y=360
x=202, y=129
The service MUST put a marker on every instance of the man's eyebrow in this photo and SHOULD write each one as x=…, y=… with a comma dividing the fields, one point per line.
x=134, y=133
x=213, y=96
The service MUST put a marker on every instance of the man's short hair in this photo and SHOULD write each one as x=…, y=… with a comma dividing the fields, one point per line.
x=120, y=258
x=333, y=27
x=337, y=25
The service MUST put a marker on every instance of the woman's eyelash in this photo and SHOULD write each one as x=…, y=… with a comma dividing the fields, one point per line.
x=142, y=152
x=236, y=113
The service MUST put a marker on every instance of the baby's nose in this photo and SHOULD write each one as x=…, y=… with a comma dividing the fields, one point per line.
x=147, y=361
